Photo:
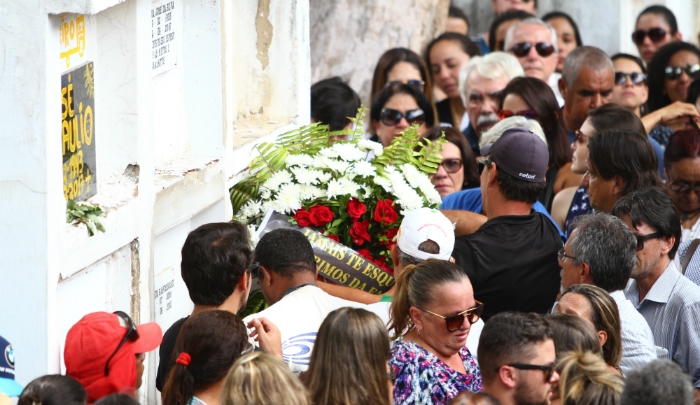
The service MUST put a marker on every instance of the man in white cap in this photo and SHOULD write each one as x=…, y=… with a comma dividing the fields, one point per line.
x=424, y=234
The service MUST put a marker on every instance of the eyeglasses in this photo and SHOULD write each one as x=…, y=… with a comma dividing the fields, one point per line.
x=561, y=254
x=521, y=49
x=132, y=334
x=254, y=269
x=642, y=238
x=455, y=322
x=684, y=187
x=416, y=84
x=391, y=117
x=483, y=163
x=529, y=114
x=635, y=77
x=580, y=137
x=451, y=165
x=548, y=370
x=674, y=72
x=655, y=34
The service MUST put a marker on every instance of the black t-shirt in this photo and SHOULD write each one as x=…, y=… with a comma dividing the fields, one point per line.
x=512, y=263
x=166, y=352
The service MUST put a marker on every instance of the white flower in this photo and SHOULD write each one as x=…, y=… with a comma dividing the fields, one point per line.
x=384, y=183
x=324, y=177
x=337, y=166
x=350, y=187
x=309, y=192
x=306, y=176
x=278, y=179
x=301, y=159
x=335, y=188
x=251, y=208
x=329, y=152
x=348, y=152
x=367, y=145
x=264, y=193
x=363, y=168
x=413, y=176
x=253, y=235
x=288, y=200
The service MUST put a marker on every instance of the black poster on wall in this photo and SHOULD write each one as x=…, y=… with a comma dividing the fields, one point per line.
x=78, y=133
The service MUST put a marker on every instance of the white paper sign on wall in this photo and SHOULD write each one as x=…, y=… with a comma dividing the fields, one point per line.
x=165, y=34
x=163, y=297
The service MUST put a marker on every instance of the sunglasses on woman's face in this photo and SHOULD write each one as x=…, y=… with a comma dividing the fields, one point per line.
x=635, y=77
x=521, y=49
x=391, y=117
x=451, y=165
x=529, y=114
x=416, y=84
x=674, y=72
x=455, y=322
x=655, y=34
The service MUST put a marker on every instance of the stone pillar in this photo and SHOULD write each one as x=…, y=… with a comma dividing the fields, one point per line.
x=349, y=36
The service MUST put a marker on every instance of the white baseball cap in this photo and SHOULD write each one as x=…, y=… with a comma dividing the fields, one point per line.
x=426, y=224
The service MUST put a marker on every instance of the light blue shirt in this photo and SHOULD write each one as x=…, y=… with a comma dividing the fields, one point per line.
x=692, y=271
x=637, y=339
x=672, y=310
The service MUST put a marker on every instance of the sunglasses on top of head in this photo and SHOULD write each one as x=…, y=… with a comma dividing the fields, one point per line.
x=521, y=49
x=416, y=84
x=655, y=34
x=132, y=334
x=454, y=322
x=391, y=117
x=635, y=77
x=529, y=114
x=674, y=72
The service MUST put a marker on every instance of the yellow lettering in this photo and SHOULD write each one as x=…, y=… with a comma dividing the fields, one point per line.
x=354, y=283
x=358, y=263
x=373, y=290
x=345, y=278
x=88, y=127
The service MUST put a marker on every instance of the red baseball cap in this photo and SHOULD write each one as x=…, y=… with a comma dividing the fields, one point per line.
x=91, y=342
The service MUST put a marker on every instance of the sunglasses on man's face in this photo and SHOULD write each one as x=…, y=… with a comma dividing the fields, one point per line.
x=684, y=186
x=543, y=49
x=391, y=117
x=635, y=77
x=675, y=72
x=529, y=114
x=416, y=84
x=454, y=322
x=642, y=238
x=132, y=334
x=483, y=163
x=655, y=34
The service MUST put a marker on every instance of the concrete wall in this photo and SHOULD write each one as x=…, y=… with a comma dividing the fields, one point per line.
x=170, y=142
x=605, y=24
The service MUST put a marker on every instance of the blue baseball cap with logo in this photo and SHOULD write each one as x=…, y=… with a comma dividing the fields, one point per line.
x=8, y=385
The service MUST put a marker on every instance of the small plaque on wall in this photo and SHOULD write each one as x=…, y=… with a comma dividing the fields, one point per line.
x=78, y=133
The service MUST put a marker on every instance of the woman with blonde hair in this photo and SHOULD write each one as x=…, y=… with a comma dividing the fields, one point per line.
x=584, y=379
x=258, y=379
x=348, y=364
x=596, y=306
x=431, y=315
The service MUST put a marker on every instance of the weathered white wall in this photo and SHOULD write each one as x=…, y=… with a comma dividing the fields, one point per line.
x=168, y=148
x=349, y=36
x=603, y=23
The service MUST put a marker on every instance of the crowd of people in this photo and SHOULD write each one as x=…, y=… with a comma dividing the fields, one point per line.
x=562, y=267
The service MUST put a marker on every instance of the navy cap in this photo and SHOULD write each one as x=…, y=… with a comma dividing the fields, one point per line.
x=520, y=153
x=8, y=385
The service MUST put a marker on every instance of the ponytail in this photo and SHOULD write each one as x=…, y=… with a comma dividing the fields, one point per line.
x=416, y=288
x=584, y=379
x=400, y=310
x=179, y=386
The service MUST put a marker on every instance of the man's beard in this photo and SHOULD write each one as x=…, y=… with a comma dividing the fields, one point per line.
x=525, y=396
x=485, y=122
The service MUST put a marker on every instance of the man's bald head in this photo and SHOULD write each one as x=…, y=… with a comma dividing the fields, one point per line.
x=588, y=57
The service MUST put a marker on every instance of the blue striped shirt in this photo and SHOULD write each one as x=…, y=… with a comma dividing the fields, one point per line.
x=637, y=339
x=672, y=310
x=692, y=271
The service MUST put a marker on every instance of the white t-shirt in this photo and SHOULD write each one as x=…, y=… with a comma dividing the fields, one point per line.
x=381, y=309
x=298, y=316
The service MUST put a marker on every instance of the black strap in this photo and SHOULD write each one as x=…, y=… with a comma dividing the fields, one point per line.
x=689, y=254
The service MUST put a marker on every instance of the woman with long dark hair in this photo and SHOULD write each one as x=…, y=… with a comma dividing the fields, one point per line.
x=208, y=344
x=397, y=107
x=534, y=99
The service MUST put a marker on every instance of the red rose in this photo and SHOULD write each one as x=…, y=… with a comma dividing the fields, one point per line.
x=365, y=253
x=320, y=215
x=358, y=232
x=333, y=237
x=356, y=208
x=385, y=213
x=302, y=217
x=390, y=235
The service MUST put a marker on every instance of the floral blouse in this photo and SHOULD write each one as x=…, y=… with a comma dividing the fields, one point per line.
x=422, y=378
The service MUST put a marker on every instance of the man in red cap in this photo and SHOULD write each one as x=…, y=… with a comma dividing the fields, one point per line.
x=105, y=352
